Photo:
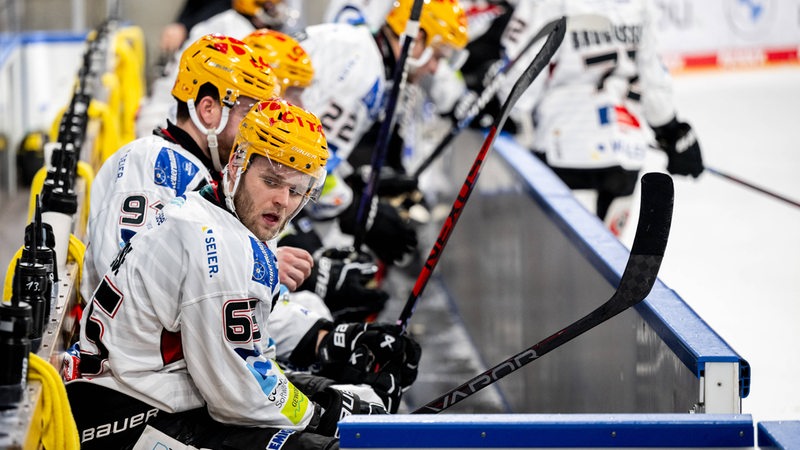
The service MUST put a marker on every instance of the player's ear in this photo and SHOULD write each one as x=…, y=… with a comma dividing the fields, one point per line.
x=209, y=110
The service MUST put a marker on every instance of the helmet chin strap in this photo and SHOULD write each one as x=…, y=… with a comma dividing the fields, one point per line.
x=211, y=134
x=230, y=192
x=416, y=63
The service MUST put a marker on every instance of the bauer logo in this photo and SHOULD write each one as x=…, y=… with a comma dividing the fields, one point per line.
x=265, y=264
x=210, y=243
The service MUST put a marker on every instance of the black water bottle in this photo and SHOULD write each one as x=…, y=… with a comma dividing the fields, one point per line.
x=40, y=247
x=31, y=286
x=15, y=347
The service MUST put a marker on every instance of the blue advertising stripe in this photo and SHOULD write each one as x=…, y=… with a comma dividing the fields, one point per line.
x=10, y=42
x=539, y=430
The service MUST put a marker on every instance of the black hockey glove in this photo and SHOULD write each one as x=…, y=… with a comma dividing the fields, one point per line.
x=387, y=234
x=340, y=277
x=375, y=354
x=335, y=405
x=678, y=140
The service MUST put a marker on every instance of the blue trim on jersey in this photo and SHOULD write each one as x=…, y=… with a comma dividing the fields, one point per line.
x=126, y=235
x=173, y=170
x=259, y=369
x=333, y=158
x=373, y=100
x=351, y=14
x=265, y=264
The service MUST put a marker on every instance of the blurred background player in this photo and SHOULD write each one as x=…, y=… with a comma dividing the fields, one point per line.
x=288, y=59
x=174, y=34
x=353, y=69
x=341, y=284
x=606, y=94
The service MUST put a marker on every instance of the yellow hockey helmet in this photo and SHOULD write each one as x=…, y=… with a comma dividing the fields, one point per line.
x=228, y=64
x=444, y=21
x=288, y=135
x=251, y=7
x=287, y=58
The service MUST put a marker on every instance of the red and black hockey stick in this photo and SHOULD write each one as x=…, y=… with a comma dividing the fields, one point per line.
x=538, y=64
x=638, y=278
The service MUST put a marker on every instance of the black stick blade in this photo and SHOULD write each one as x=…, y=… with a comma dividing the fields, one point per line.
x=650, y=241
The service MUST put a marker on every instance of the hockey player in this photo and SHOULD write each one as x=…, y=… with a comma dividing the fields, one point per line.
x=175, y=342
x=607, y=93
x=354, y=67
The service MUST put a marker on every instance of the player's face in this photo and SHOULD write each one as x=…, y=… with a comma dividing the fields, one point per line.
x=428, y=57
x=294, y=95
x=267, y=197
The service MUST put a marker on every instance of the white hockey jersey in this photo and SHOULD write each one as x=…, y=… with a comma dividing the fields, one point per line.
x=178, y=321
x=348, y=85
x=371, y=13
x=586, y=108
x=131, y=186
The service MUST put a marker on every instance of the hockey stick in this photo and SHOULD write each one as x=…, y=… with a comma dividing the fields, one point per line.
x=637, y=280
x=751, y=186
x=479, y=103
x=382, y=145
x=541, y=60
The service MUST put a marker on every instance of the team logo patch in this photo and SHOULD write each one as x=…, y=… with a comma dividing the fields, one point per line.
x=265, y=264
x=173, y=170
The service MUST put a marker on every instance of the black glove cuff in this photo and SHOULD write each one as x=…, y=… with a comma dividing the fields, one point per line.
x=305, y=353
x=667, y=133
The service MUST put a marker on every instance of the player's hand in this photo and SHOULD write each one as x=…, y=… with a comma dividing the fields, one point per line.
x=342, y=277
x=678, y=140
x=376, y=354
x=389, y=236
x=294, y=266
x=336, y=405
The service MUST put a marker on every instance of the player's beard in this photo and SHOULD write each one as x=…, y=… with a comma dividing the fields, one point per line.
x=250, y=215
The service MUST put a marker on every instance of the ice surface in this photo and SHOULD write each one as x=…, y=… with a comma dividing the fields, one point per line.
x=734, y=253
